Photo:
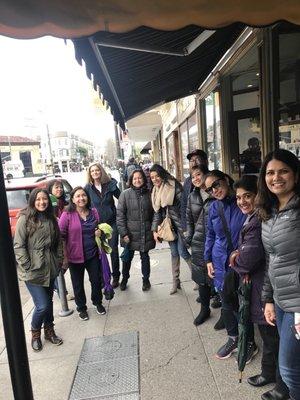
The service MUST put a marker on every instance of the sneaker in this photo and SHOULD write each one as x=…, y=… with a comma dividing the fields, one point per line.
x=115, y=283
x=227, y=349
x=100, y=309
x=146, y=285
x=216, y=301
x=83, y=315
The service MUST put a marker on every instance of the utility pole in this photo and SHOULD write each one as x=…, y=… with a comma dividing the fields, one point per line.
x=50, y=149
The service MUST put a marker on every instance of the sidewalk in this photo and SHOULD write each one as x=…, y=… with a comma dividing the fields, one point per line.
x=176, y=358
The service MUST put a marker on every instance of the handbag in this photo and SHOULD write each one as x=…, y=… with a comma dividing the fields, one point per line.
x=165, y=230
x=231, y=279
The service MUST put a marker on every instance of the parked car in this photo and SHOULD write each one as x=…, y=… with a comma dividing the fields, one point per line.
x=18, y=191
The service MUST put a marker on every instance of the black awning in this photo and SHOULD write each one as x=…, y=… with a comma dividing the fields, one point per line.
x=147, y=67
x=146, y=148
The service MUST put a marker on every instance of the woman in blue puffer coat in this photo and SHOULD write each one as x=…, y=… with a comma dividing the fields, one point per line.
x=218, y=247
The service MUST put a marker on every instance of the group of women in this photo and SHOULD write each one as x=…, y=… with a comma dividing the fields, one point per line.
x=235, y=231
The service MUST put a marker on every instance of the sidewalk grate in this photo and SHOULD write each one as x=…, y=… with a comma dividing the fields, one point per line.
x=108, y=368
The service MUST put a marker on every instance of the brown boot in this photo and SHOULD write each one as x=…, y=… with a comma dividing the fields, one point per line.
x=175, y=274
x=36, y=342
x=50, y=335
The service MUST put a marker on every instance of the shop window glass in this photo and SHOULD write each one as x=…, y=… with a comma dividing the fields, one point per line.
x=289, y=92
x=193, y=133
x=171, y=155
x=184, y=138
x=213, y=132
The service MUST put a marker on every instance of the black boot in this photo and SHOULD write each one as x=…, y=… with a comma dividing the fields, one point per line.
x=123, y=284
x=220, y=323
x=50, y=335
x=204, y=294
x=146, y=285
x=36, y=342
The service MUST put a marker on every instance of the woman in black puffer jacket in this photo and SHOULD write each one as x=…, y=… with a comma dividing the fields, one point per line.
x=196, y=216
x=134, y=220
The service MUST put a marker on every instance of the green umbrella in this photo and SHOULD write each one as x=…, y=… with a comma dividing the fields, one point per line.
x=244, y=322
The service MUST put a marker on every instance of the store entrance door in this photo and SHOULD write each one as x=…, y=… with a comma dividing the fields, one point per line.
x=245, y=142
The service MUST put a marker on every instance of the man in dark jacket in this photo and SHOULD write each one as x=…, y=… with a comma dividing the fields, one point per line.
x=130, y=167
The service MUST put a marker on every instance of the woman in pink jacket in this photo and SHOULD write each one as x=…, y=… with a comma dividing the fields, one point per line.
x=78, y=227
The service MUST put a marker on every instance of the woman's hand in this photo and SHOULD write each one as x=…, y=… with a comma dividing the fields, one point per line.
x=126, y=239
x=210, y=270
x=156, y=237
x=232, y=258
x=270, y=313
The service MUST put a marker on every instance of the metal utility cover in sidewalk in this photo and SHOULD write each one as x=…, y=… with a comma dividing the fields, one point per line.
x=108, y=368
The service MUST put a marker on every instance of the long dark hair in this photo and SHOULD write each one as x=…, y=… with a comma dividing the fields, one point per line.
x=71, y=206
x=162, y=173
x=140, y=171
x=32, y=215
x=266, y=200
x=221, y=175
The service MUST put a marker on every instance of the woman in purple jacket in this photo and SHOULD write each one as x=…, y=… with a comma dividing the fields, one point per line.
x=78, y=227
x=249, y=259
x=221, y=239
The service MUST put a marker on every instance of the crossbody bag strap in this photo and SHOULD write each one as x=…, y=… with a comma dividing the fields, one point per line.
x=225, y=226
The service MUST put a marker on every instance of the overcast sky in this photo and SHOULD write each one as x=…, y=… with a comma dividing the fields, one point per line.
x=41, y=83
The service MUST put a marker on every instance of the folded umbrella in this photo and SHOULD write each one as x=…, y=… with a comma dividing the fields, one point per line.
x=104, y=249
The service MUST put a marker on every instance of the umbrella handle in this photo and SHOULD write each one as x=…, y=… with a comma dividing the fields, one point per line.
x=241, y=377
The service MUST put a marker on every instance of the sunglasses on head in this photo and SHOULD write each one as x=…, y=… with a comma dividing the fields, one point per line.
x=215, y=185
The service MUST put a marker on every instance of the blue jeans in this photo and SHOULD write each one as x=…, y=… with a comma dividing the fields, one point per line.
x=178, y=249
x=289, y=352
x=42, y=299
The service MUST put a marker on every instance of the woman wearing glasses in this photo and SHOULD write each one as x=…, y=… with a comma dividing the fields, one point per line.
x=225, y=220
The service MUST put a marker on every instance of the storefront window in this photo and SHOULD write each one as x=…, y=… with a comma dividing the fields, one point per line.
x=193, y=133
x=184, y=138
x=289, y=92
x=213, y=132
x=171, y=155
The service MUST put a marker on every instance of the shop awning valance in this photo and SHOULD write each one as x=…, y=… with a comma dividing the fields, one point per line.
x=138, y=70
x=75, y=18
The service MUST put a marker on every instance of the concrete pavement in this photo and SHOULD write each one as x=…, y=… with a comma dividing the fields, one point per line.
x=176, y=358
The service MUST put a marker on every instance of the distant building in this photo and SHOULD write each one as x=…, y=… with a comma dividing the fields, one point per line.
x=14, y=148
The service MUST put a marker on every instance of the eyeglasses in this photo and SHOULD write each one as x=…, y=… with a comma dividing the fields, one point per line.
x=215, y=185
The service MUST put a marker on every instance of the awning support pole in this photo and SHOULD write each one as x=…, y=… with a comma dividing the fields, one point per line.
x=11, y=307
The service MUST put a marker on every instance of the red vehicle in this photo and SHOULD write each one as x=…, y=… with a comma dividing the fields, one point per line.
x=18, y=191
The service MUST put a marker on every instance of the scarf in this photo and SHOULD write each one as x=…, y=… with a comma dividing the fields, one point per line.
x=164, y=195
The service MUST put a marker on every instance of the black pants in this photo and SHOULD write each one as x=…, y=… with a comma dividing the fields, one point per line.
x=269, y=362
x=77, y=276
x=145, y=261
x=114, y=255
x=230, y=317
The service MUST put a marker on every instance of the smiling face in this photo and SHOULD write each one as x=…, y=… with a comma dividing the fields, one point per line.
x=137, y=180
x=197, y=178
x=245, y=200
x=80, y=198
x=155, y=178
x=57, y=190
x=41, y=202
x=95, y=172
x=217, y=188
x=280, y=178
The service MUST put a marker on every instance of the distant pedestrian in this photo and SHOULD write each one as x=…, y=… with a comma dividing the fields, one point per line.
x=134, y=220
x=78, y=226
x=39, y=256
x=103, y=190
x=130, y=167
x=166, y=198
